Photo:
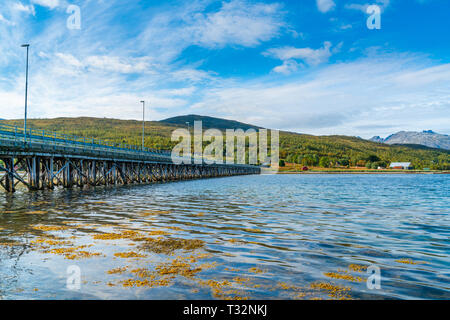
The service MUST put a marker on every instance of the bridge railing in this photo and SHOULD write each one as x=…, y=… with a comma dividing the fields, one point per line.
x=17, y=134
x=55, y=138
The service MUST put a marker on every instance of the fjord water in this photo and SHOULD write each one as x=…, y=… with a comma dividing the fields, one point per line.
x=258, y=237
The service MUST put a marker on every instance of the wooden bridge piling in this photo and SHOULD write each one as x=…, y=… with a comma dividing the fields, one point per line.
x=48, y=172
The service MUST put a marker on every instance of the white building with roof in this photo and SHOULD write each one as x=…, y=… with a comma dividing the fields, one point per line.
x=400, y=165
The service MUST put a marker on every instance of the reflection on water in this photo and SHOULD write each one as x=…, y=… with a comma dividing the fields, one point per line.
x=252, y=237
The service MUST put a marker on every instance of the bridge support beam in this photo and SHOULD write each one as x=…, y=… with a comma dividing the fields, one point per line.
x=41, y=172
x=9, y=174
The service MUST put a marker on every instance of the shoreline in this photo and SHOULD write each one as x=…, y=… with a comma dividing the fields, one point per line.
x=343, y=171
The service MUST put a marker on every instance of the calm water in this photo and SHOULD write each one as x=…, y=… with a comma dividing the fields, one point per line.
x=257, y=237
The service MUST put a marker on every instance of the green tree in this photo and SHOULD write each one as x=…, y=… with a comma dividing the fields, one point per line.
x=373, y=158
x=324, y=162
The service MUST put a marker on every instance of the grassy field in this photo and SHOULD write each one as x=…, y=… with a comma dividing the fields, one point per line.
x=296, y=168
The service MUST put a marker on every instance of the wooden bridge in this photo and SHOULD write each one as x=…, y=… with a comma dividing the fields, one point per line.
x=42, y=160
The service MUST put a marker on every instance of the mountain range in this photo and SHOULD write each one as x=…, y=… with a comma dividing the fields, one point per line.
x=427, y=138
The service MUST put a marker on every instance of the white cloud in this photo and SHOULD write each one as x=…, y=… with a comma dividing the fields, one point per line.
x=20, y=7
x=14, y=99
x=6, y=21
x=51, y=4
x=312, y=57
x=238, y=22
x=192, y=75
x=357, y=6
x=105, y=63
x=116, y=64
x=357, y=98
x=287, y=67
x=383, y=4
x=56, y=92
x=325, y=5
x=67, y=59
x=234, y=23
x=179, y=92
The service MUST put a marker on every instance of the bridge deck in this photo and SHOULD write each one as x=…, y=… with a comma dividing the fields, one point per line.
x=13, y=142
x=42, y=160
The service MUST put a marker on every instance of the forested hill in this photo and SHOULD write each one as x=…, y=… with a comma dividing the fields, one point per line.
x=209, y=122
x=298, y=148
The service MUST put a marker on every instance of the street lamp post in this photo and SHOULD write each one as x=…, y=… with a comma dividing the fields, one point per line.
x=188, y=126
x=26, y=97
x=143, y=123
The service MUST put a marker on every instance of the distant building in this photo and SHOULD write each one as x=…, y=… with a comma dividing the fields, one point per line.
x=401, y=165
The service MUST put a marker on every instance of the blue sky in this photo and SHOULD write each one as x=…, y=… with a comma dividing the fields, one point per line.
x=309, y=66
